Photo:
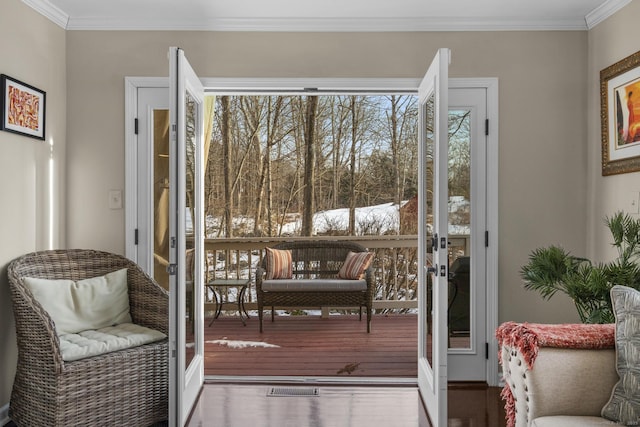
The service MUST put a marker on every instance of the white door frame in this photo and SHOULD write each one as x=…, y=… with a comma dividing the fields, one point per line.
x=232, y=85
x=469, y=363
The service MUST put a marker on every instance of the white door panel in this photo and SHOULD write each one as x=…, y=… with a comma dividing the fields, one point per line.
x=153, y=110
x=186, y=237
x=467, y=251
x=432, y=238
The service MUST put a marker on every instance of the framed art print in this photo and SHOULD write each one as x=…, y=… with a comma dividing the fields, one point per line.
x=23, y=108
x=620, y=116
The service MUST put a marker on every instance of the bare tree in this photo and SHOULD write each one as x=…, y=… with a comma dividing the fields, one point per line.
x=226, y=149
x=460, y=154
x=339, y=123
x=281, y=158
x=309, y=165
x=352, y=165
x=264, y=187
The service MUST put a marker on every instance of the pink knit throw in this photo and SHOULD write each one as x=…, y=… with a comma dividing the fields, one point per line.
x=529, y=337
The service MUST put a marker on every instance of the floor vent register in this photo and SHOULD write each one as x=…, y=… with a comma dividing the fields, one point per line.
x=293, y=391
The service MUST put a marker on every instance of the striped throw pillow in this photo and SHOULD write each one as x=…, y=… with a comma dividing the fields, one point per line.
x=355, y=264
x=278, y=264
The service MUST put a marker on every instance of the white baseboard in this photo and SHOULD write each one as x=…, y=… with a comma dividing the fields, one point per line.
x=4, y=414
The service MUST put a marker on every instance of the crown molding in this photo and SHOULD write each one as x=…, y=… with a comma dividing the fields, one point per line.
x=327, y=24
x=604, y=11
x=49, y=11
x=54, y=14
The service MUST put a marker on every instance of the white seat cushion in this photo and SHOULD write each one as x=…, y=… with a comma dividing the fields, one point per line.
x=308, y=285
x=571, y=421
x=112, y=338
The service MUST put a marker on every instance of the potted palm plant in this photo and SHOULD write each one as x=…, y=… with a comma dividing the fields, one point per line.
x=553, y=269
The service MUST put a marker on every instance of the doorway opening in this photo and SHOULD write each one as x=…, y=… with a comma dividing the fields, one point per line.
x=375, y=188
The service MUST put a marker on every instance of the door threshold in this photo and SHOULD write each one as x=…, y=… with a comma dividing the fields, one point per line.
x=360, y=381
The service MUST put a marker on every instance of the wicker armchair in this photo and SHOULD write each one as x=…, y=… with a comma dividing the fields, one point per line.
x=126, y=387
x=316, y=260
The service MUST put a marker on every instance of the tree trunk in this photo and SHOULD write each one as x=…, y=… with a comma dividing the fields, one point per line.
x=395, y=154
x=352, y=167
x=226, y=154
x=309, y=165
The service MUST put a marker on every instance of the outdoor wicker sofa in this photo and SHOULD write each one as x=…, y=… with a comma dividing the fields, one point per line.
x=314, y=280
x=124, y=387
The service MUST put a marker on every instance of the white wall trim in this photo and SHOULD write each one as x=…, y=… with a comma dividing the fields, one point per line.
x=149, y=23
x=49, y=11
x=326, y=24
x=491, y=85
x=604, y=11
x=130, y=166
x=493, y=376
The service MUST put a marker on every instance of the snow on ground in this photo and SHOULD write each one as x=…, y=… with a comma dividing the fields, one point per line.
x=379, y=219
x=370, y=220
x=242, y=344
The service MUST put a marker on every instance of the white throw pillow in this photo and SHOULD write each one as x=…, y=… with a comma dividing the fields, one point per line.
x=77, y=306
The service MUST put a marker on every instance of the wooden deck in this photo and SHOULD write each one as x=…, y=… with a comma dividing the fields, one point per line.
x=312, y=346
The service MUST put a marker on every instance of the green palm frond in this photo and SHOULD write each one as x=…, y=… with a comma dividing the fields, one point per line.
x=553, y=269
x=548, y=268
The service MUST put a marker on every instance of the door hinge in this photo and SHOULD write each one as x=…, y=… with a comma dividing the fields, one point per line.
x=486, y=351
x=135, y=125
x=486, y=239
x=486, y=127
x=135, y=237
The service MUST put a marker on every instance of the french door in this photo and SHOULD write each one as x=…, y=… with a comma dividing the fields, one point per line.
x=152, y=233
x=186, y=237
x=433, y=237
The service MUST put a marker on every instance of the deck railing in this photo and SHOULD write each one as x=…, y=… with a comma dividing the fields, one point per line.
x=395, y=264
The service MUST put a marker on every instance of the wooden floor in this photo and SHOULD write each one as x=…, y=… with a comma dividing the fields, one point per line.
x=312, y=346
x=234, y=405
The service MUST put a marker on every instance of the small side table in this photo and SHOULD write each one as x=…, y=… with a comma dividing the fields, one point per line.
x=217, y=284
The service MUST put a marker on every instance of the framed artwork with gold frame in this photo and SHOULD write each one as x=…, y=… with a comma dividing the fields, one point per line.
x=620, y=116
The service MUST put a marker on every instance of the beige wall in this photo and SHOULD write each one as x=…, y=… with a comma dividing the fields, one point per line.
x=33, y=51
x=611, y=41
x=551, y=191
x=542, y=77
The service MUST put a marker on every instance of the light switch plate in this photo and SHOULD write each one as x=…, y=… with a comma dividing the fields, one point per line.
x=115, y=199
x=632, y=202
